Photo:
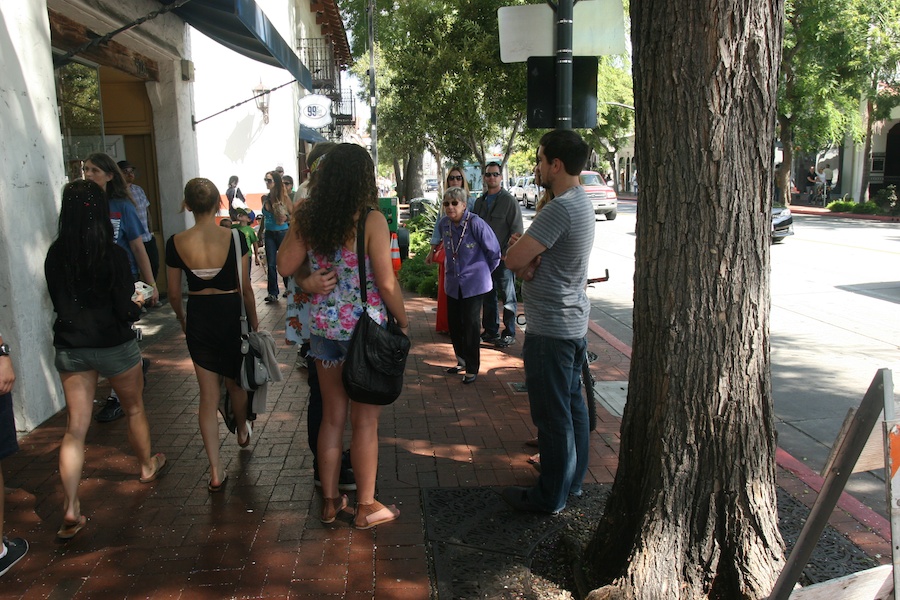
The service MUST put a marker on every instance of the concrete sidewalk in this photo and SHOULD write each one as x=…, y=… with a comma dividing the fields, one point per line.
x=261, y=537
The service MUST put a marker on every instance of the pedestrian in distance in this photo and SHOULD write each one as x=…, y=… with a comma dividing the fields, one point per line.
x=552, y=257
x=93, y=294
x=234, y=193
x=276, y=207
x=142, y=204
x=472, y=253
x=12, y=550
x=205, y=253
x=323, y=231
x=501, y=212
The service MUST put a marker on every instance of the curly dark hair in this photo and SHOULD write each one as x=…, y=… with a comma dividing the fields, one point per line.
x=345, y=188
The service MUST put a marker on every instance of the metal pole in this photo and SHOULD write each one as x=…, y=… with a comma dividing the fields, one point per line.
x=372, y=101
x=564, y=27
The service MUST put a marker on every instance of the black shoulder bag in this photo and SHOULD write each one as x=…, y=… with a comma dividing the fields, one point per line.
x=373, y=369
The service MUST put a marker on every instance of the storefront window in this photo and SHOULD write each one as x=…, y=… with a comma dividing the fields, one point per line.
x=80, y=114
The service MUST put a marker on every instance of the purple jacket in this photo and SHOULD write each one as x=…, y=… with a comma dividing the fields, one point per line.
x=468, y=270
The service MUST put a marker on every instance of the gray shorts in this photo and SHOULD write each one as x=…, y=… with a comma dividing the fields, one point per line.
x=109, y=362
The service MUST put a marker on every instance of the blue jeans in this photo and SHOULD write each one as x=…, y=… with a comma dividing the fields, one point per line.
x=553, y=376
x=273, y=242
x=505, y=288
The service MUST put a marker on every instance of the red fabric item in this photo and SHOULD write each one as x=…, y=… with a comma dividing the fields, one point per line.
x=441, y=325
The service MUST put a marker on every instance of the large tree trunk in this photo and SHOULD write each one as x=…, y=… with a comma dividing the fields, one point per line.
x=783, y=173
x=867, y=155
x=692, y=512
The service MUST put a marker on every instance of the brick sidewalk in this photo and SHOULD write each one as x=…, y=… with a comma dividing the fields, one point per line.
x=261, y=537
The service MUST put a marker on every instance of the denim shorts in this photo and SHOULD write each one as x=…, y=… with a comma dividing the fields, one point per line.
x=330, y=352
x=8, y=442
x=109, y=362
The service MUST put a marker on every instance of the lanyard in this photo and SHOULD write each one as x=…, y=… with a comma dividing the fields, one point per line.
x=455, y=250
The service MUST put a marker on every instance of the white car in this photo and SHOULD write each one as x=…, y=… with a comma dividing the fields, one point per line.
x=518, y=188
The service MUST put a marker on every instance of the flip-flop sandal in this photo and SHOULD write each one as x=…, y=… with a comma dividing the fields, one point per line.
x=216, y=488
x=160, y=464
x=364, y=511
x=246, y=442
x=535, y=460
x=69, y=530
x=533, y=442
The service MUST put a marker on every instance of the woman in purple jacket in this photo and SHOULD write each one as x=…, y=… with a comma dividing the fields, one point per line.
x=471, y=253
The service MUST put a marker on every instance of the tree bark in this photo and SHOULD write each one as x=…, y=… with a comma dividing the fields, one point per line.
x=692, y=513
x=867, y=154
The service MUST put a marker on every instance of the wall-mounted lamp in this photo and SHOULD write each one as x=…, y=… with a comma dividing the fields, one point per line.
x=261, y=96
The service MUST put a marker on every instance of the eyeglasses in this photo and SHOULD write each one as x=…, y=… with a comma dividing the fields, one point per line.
x=492, y=174
x=129, y=171
x=454, y=178
x=267, y=180
x=451, y=203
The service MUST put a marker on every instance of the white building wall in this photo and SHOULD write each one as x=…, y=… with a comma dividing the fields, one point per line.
x=238, y=142
x=31, y=177
x=32, y=173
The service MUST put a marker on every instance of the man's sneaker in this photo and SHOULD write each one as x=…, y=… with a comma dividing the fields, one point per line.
x=270, y=298
x=490, y=337
x=506, y=340
x=110, y=412
x=301, y=363
x=16, y=548
x=347, y=480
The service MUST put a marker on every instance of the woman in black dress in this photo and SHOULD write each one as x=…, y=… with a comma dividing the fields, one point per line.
x=91, y=287
x=206, y=255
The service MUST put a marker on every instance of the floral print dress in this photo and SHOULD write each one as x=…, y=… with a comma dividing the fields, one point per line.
x=334, y=316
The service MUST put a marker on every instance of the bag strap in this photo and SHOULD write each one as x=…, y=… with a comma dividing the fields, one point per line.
x=361, y=263
x=361, y=258
x=245, y=329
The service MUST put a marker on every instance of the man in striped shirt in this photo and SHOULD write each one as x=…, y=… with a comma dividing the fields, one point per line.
x=552, y=257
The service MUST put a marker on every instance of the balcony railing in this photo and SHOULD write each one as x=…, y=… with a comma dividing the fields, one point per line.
x=318, y=56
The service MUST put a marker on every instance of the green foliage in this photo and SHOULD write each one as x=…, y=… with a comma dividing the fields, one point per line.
x=866, y=208
x=416, y=276
x=841, y=205
x=886, y=200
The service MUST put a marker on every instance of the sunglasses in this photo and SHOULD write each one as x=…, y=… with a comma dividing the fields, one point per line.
x=454, y=178
x=492, y=174
x=451, y=203
x=267, y=180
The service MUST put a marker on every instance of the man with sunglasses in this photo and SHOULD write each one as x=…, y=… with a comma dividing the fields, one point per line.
x=501, y=211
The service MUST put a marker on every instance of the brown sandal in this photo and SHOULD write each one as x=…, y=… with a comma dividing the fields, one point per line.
x=364, y=511
x=332, y=506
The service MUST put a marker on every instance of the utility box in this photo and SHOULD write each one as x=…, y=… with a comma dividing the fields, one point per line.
x=391, y=211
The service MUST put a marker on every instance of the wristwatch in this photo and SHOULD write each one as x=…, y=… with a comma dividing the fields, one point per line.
x=4, y=349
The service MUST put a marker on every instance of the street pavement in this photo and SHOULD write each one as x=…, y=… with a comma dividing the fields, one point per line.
x=261, y=537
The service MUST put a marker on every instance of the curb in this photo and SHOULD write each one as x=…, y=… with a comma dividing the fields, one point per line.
x=856, y=509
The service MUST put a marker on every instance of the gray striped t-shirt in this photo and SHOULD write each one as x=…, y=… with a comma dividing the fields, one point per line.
x=556, y=305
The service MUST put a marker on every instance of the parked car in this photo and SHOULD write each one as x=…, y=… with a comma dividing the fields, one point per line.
x=431, y=185
x=531, y=194
x=602, y=196
x=782, y=222
x=518, y=188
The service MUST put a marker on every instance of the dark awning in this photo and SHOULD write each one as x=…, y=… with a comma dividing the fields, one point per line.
x=242, y=26
x=311, y=135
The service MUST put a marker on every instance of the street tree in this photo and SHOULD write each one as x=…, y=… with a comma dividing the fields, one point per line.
x=692, y=512
x=819, y=88
x=615, y=121
x=880, y=72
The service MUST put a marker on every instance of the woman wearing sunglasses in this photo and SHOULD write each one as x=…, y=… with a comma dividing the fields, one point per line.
x=455, y=178
x=275, y=209
x=471, y=253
